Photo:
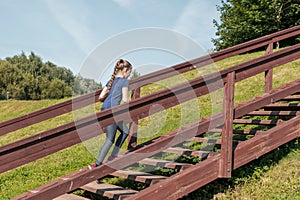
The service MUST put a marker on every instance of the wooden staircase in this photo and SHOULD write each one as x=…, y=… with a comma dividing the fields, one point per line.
x=280, y=123
x=179, y=162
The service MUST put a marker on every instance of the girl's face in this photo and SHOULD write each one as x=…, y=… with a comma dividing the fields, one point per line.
x=126, y=72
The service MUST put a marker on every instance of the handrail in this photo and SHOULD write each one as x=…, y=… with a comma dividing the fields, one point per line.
x=85, y=100
x=66, y=135
x=74, y=181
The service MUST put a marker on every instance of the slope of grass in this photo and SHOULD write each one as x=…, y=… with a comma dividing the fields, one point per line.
x=250, y=181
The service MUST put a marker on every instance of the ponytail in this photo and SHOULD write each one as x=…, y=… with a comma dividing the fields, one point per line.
x=120, y=65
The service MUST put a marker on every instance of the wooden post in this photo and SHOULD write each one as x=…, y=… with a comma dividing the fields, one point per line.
x=228, y=109
x=132, y=137
x=269, y=73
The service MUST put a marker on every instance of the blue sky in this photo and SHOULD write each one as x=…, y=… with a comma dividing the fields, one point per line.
x=66, y=32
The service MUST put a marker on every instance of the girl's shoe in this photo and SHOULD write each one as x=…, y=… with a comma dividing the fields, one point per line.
x=92, y=166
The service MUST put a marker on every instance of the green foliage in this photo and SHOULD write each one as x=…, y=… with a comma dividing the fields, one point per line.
x=135, y=74
x=83, y=85
x=241, y=21
x=28, y=78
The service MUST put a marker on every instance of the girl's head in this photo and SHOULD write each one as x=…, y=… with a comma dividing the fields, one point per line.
x=122, y=67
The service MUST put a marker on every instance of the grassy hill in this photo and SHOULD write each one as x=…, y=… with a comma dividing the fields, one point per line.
x=274, y=176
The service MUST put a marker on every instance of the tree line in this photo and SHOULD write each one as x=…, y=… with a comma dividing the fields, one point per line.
x=244, y=20
x=28, y=78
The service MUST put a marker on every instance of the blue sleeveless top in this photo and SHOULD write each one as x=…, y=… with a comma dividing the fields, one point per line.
x=115, y=94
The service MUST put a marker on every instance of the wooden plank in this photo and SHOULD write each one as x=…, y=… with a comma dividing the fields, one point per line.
x=227, y=131
x=259, y=145
x=51, y=189
x=292, y=98
x=70, y=197
x=133, y=129
x=269, y=73
x=47, y=113
x=248, y=132
x=64, y=107
x=142, y=177
x=257, y=122
x=167, y=98
x=57, y=187
x=183, y=182
x=108, y=190
x=179, y=151
x=273, y=113
x=165, y=163
x=283, y=107
x=206, y=140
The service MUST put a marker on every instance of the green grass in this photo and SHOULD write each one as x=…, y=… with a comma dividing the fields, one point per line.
x=249, y=181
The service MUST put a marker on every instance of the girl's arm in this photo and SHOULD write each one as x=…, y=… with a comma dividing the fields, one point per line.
x=103, y=93
x=125, y=96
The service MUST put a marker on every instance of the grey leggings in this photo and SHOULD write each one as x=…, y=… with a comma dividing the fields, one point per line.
x=111, y=131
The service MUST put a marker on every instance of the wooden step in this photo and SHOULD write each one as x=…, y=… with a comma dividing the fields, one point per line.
x=274, y=113
x=70, y=197
x=206, y=140
x=142, y=177
x=283, y=107
x=247, y=132
x=165, y=163
x=292, y=98
x=198, y=153
x=108, y=190
x=256, y=121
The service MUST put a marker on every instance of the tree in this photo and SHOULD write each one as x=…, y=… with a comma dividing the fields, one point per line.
x=244, y=20
x=84, y=85
x=135, y=74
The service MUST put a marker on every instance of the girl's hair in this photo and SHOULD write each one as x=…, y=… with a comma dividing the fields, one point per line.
x=120, y=65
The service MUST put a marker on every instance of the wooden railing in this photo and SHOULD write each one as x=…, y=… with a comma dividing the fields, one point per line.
x=91, y=98
x=51, y=141
x=59, y=138
x=45, y=143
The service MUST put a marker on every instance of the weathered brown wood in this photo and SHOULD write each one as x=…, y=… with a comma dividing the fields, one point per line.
x=265, y=99
x=165, y=164
x=180, y=151
x=247, y=132
x=274, y=113
x=15, y=148
x=108, y=190
x=72, y=182
x=266, y=62
x=228, y=109
x=257, y=121
x=283, y=107
x=269, y=73
x=160, y=191
x=292, y=98
x=132, y=138
x=54, y=189
x=70, y=197
x=47, y=113
x=142, y=177
x=205, y=85
x=206, y=140
x=252, y=149
x=183, y=182
x=64, y=107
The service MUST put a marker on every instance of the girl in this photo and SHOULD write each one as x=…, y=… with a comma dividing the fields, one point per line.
x=114, y=93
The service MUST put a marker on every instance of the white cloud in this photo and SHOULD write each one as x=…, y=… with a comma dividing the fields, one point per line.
x=196, y=21
x=73, y=19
